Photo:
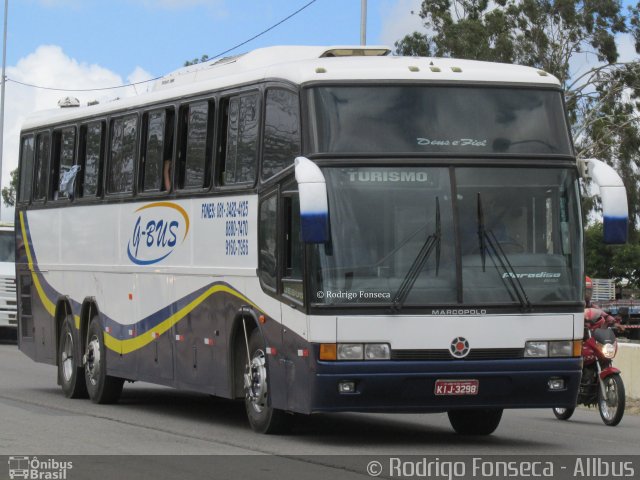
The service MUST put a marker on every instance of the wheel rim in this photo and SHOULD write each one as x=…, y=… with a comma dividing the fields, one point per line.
x=67, y=357
x=609, y=404
x=255, y=382
x=93, y=360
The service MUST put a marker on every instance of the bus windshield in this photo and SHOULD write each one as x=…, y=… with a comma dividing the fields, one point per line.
x=437, y=119
x=505, y=231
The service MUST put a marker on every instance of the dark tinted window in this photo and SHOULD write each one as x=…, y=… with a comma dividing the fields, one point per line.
x=281, y=131
x=194, y=171
x=26, y=169
x=7, y=247
x=91, y=159
x=123, y=152
x=267, y=243
x=158, y=151
x=65, y=144
x=430, y=119
x=43, y=151
x=241, y=140
x=292, y=278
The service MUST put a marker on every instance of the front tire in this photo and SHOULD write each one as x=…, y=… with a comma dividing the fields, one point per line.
x=262, y=417
x=563, y=413
x=612, y=407
x=102, y=388
x=475, y=422
x=70, y=373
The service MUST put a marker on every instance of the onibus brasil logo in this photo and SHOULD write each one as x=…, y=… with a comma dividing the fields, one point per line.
x=158, y=230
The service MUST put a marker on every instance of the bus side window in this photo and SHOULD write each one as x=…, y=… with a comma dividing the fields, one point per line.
x=91, y=156
x=194, y=152
x=240, y=140
x=155, y=162
x=43, y=152
x=281, y=131
x=124, y=134
x=267, y=242
x=26, y=169
x=63, y=160
x=292, y=285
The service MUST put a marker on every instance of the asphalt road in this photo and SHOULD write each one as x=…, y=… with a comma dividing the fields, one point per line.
x=36, y=419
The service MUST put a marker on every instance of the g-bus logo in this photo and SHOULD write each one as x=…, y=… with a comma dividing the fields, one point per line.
x=159, y=228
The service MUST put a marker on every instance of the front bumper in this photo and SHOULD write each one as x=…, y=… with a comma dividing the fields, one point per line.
x=409, y=386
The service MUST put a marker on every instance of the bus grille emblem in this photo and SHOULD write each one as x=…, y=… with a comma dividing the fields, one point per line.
x=459, y=347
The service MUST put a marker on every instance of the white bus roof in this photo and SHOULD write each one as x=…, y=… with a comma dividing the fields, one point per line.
x=300, y=65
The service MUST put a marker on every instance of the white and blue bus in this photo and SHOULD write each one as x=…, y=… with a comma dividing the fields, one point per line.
x=314, y=229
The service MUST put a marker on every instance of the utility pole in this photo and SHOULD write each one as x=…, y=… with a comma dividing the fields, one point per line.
x=4, y=80
x=363, y=22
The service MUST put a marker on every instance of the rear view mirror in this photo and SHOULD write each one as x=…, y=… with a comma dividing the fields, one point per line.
x=614, y=200
x=314, y=209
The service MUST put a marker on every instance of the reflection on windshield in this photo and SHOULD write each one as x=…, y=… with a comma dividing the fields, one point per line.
x=382, y=218
x=380, y=221
x=438, y=119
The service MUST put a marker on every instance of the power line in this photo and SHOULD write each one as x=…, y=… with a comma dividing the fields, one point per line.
x=157, y=78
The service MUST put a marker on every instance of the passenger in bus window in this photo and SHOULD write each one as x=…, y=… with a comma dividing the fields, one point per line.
x=166, y=174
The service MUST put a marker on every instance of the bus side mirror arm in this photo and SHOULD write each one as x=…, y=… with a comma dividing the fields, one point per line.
x=614, y=199
x=314, y=207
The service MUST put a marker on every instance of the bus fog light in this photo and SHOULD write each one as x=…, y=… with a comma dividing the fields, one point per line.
x=350, y=351
x=377, y=351
x=347, y=387
x=536, y=349
x=562, y=348
x=556, y=384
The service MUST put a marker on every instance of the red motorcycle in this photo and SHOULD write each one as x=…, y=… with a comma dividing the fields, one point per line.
x=601, y=383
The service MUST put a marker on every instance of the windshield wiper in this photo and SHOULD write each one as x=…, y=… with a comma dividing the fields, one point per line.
x=489, y=243
x=431, y=242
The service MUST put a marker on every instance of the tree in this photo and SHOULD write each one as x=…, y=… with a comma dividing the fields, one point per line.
x=607, y=261
x=9, y=193
x=195, y=61
x=549, y=34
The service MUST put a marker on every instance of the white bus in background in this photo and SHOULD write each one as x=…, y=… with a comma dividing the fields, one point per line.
x=8, y=315
x=314, y=229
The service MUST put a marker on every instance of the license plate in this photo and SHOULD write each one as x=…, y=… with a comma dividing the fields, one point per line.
x=457, y=387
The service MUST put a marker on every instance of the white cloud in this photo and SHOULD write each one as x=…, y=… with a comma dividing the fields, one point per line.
x=49, y=66
x=398, y=20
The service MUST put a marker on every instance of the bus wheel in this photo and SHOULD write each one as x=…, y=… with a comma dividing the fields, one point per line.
x=70, y=372
x=262, y=417
x=102, y=388
x=475, y=422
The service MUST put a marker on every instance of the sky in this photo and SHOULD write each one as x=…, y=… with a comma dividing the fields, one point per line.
x=97, y=43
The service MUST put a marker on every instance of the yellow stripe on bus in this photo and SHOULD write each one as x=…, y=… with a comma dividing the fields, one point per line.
x=131, y=344
x=48, y=304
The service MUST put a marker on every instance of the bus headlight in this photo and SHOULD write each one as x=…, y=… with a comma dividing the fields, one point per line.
x=350, y=351
x=377, y=351
x=536, y=349
x=562, y=348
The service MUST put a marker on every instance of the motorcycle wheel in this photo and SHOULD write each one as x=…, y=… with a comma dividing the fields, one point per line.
x=612, y=406
x=563, y=413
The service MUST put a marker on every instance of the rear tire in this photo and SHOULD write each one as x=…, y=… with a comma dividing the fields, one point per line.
x=102, y=388
x=475, y=422
x=70, y=373
x=262, y=417
x=612, y=408
x=563, y=413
